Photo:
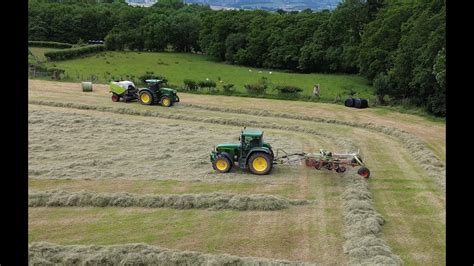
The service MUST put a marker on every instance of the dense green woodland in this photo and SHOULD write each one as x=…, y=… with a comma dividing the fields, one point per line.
x=398, y=45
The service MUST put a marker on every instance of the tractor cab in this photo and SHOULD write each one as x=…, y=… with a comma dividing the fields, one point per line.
x=250, y=139
x=155, y=84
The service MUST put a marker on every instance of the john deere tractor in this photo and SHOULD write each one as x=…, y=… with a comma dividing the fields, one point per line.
x=252, y=153
x=154, y=92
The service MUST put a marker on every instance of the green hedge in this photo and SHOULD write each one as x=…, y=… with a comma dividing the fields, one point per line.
x=190, y=84
x=228, y=88
x=74, y=52
x=207, y=84
x=256, y=88
x=49, y=44
x=288, y=90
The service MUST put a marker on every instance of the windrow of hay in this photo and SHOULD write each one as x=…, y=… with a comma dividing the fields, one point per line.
x=363, y=226
x=43, y=253
x=418, y=149
x=214, y=201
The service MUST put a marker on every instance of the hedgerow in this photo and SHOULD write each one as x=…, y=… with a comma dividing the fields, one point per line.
x=59, y=45
x=74, y=52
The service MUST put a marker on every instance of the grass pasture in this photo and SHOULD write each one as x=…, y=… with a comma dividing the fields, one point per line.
x=176, y=67
x=40, y=51
x=84, y=142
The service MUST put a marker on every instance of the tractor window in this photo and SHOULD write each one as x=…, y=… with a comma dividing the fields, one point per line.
x=254, y=143
x=246, y=141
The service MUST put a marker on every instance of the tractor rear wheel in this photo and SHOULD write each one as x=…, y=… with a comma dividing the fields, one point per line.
x=146, y=98
x=115, y=98
x=260, y=163
x=222, y=164
x=364, y=172
x=166, y=101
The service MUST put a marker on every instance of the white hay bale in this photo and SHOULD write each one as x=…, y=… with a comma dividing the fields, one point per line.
x=86, y=86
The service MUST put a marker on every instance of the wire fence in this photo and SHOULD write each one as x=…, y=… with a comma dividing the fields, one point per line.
x=35, y=72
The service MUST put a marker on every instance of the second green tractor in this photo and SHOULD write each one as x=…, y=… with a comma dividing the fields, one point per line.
x=154, y=93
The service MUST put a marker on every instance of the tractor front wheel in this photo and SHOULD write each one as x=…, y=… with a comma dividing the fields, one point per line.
x=115, y=98
x=364, y=172
x=222, y=164
x=166, y=101
x=145, y=98
x=260, y=163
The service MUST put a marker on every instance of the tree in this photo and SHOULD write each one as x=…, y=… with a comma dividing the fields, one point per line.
x=423, y=37
x=156, y=32
x=184, y=32
x=169, y=4
x=233, y=43
x=380, y=40
x=437, y=101
x=382, y=86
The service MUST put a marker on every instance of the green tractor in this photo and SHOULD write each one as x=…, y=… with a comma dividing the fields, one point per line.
x=252, y=153
x=156, y=93
x=153, y=94
x=256, y=155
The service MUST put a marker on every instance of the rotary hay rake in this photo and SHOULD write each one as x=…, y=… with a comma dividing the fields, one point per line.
x=338, y=162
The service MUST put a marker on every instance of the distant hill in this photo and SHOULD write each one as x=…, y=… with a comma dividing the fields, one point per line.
x=272, y=5
x=288, y=5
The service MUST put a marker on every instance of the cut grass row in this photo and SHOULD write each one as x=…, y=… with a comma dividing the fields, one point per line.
x=213, y=201
x=44, y=253
x=288, y=190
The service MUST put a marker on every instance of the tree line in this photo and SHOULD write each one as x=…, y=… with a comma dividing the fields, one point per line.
x=399, y=46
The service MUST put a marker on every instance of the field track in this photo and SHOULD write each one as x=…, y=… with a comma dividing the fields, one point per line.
x=85, y=142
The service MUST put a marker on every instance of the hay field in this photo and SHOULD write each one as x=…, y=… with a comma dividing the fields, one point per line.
x=84, y=144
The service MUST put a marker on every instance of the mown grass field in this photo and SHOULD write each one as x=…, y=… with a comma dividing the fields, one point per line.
x=176, y=67
x=76, y=143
